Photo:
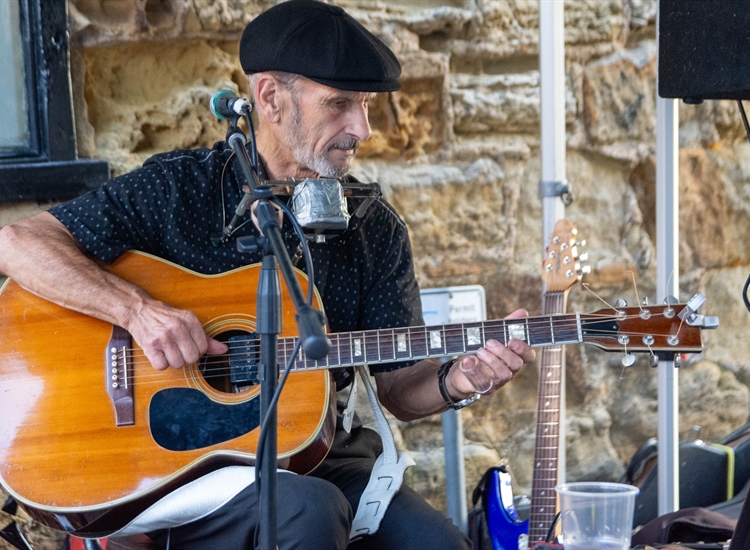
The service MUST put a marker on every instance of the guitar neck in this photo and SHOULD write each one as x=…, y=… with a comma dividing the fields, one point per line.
x=546, y=454
x=416, y=343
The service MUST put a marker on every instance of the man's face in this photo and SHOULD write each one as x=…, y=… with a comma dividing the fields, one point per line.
x=325, y=126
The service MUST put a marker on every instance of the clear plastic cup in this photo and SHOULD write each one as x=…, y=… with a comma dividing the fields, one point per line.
x=596, y=515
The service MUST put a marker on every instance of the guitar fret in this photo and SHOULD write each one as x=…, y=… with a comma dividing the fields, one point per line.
x=371, y=355
x=335, y=349
x=417, y=340
x=402, y=343
x=472, y=336
x=495, y=331
x=348, y=347
x=551, y=330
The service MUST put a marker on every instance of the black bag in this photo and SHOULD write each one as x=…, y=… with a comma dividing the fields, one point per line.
x=706, y=477
x=686, y=526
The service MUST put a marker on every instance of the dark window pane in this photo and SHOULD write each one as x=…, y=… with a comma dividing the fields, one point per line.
x=14, y=116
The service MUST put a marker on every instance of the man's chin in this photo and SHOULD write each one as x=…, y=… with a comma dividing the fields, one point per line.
x=340, y=163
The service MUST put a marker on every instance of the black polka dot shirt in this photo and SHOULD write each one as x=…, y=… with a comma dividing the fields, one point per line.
x=172, y=207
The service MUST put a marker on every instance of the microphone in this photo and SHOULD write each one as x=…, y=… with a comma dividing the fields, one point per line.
x=225, y=105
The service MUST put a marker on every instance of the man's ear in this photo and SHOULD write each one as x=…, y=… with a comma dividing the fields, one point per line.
x=268, y=100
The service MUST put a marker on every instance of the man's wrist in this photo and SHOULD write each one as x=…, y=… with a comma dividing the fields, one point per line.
x=448, y=396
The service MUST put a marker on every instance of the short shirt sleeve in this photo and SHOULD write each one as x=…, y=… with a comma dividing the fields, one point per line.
x=125, y=213
x=168, y=208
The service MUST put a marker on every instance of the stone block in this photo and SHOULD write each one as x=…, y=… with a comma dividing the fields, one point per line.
x=619, y=96
x=417, y=120
x=146, y=98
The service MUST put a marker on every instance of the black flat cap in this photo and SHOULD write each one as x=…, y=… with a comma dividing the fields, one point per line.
x=320, y=42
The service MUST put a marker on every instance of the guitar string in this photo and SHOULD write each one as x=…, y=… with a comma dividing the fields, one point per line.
x=135, y=356
x=297, y=367
x=569, y=322
x=374, y=337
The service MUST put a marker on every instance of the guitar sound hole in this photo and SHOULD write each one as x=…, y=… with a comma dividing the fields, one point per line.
x=237, y=370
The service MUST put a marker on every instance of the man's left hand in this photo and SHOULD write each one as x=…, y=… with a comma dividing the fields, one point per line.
x=498, y=362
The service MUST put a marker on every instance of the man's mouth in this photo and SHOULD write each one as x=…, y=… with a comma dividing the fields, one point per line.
x=350, y=145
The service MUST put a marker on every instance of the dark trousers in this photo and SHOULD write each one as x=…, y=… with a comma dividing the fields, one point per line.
x=315, y=512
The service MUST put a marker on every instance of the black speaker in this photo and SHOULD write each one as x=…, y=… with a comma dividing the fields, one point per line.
x=704, y=49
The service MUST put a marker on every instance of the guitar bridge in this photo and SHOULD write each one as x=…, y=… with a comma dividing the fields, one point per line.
x=119, y=376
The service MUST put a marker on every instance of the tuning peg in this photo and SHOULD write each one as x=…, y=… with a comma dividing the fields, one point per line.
x=585, y=270
x=584, y=257
x=621, y=303
x=628, y=360
x=581, y=243
x=654, y=361
x=669, y=300
x=644, y=302
x=692, y=306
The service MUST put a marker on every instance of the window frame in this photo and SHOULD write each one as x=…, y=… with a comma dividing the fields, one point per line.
x=49, y=168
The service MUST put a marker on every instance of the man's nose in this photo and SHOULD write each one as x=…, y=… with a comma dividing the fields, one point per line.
x=359, y=124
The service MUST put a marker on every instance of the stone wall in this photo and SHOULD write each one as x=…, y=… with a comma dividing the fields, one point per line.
x=457, y=153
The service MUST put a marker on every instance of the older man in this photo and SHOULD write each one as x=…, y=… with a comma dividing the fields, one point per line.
x=313, y=70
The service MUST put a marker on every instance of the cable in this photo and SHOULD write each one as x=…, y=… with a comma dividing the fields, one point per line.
x=251, y=130
x=305, y=248
x=747, y=132
x=551, y=533
x=744, y=118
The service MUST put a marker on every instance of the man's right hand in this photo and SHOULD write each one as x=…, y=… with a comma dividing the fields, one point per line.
x=170, y=337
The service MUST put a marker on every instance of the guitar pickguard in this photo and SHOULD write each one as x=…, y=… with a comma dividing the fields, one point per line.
x=185, y=419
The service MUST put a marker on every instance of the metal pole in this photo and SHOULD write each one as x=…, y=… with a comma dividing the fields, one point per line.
x=455, y=473
x=552, y=143
x=667, y=283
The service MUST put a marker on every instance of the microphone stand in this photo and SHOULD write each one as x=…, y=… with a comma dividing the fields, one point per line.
x=309, y=322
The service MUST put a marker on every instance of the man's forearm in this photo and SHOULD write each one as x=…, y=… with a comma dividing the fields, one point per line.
x=43, y=257
x=411, y=393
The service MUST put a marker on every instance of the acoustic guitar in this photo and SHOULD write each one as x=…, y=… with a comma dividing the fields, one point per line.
x=91, y=434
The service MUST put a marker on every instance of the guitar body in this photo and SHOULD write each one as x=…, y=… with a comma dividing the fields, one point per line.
x=63, y=455
x=507, y=531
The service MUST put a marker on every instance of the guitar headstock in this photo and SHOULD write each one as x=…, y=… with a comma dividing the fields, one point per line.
x=561, y=268
x=666, y=329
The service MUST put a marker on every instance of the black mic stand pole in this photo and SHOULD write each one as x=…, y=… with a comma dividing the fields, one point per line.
x=309, y=321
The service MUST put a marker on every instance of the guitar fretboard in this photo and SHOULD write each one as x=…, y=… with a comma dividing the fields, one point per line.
x=407, y=343
x=545, y=477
